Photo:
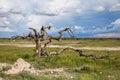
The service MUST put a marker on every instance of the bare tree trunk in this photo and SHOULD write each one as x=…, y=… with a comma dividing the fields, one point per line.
x=38, y=49
x=36, y=37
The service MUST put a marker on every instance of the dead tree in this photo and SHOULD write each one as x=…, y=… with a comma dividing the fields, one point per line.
x=43, y=36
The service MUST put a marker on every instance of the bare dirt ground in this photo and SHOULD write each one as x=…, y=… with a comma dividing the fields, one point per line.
x=20, y=65
x=59, y=46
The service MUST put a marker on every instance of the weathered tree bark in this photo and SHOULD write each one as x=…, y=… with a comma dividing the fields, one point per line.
x=38, y=48
x=37, y=42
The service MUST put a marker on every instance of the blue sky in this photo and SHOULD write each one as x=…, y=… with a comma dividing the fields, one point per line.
x=90, y=18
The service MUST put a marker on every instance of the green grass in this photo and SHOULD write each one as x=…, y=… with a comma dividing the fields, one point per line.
x=92, y=42
x=89, y=42
x=28, y=76
x=83, y=68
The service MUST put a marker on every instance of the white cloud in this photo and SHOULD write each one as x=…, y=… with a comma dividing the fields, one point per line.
x=17, y=18
x=116, y=22
x=7, y=29
x=59, y=7
x=4, y=22
x=41, y=12
x=116, y=25
x=80, y=29
x=15, y=11
x=108, y=35
x=36, y=21
x=4, y=12
x=46, y=12
x=115, y=7
x=94, y=29
x=99, y=29
x=99, y=8
x=5, y=4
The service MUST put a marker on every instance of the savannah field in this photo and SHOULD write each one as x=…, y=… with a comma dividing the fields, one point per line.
x=74, y=66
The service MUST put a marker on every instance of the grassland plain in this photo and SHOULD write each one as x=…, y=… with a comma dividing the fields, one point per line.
x=89, y=42
x=92, y=70
x=80, y=67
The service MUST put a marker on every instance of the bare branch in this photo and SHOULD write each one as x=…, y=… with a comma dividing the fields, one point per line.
x=81, y=53
x=56, y=38
x=34, y=31
x=48, y=27
x=30, y=35
x=45, y=45
x=66, y=29
x=43, y=30
x=71, y=33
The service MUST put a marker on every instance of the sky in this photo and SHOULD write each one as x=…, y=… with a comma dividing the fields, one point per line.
x=88, y=18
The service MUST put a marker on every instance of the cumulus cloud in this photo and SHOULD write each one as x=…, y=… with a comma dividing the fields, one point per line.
x=21, y=14
x=33, y=21
x=39, y=9
x=58, y=7
x=116, y=25
x=116, y=22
